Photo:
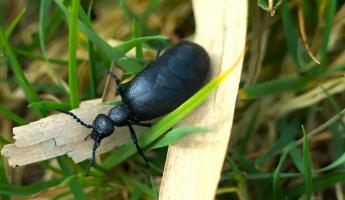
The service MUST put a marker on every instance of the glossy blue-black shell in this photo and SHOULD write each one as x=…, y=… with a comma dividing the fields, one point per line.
x=168, y=81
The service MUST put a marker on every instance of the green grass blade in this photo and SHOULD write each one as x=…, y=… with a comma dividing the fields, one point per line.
x=103, y=46
x=46, y=105
x=128, y=14
x=249, y=131
x=3, y=177
x=74, y=185
x=159, y=128
x=48, y=166
x=340, y=161
x=239, y=178
x=290, y=32
x=264, y=4
x=85, y=18
x=296, y=156
x=319, y=183
x=286, y=137
x=153, y=5
x=72, y=55
x=111, y=52
x=85, y=181
x=141, y=20
x=273, y=87
x=136, y=32
x=336, y=107
x=337, y=143
x=308, y=176
x=261, y=176
x=14, y=190
x=43, y=20
x=330, y=12
x=98, y=41
x=12, y=116
x=337, y=128
x=331, y=70
x=276, y=175
x=38, y=57
x=137, y=184
x=89, y=9
x=93, y=71
x=62, y=195
x=23, y=82
x=14, y=23
x=55, y=22
x=128, y=45
x=42, y=26
x=114, y=102
x=247, y=165
x=136, y=194
x=177, y=134
x=4, y=140
x=333, y=103
x=92, y=61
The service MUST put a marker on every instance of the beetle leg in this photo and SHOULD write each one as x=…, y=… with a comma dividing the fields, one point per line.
x=159, y=51
x=117, y=80
x=140, y=123
x=135, y=141
x=87, y=137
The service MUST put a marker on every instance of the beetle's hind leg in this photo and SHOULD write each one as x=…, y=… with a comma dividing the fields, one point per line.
x=135, y=141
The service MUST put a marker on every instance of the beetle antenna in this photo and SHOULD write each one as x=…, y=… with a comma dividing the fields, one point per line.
x=77, y=118
x=92, y=160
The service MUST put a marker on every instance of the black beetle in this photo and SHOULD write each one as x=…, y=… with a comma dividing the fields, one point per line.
x=158, y=89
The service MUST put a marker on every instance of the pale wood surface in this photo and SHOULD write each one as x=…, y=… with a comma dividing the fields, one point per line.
x=60, y=134
x=193, y=165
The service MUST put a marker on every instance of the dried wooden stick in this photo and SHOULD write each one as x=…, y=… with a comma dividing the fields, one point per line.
x=193, y=165
x=60, y=134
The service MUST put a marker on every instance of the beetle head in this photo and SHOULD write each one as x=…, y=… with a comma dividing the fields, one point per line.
x=102, y=127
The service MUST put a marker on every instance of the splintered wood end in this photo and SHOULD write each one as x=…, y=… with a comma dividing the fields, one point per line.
x=58, y=135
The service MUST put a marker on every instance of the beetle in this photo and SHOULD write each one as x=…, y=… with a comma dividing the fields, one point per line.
x=158, y=89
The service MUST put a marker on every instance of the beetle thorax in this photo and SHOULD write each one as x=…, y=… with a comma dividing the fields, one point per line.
x=119, y=115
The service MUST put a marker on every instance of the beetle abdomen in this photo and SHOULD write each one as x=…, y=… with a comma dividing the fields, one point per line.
x=168, y=81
